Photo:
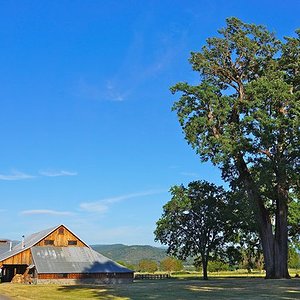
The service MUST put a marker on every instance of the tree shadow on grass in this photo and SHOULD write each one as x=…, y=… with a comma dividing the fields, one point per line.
x=139, y=289
x=168, y=289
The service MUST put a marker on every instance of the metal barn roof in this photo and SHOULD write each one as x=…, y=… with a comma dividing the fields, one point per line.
x=73, y=260
x=4, y=248
x=29, y=241
x=34, y=238
x=6, y=244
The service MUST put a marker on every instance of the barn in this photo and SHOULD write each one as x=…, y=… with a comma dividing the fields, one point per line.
x=57, y=255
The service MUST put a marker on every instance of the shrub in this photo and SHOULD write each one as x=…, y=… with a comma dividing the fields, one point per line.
x=147, y=265
x=217, y=266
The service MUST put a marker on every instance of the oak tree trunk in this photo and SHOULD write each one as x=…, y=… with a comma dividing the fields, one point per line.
x=204, y=269
x=275, y=246
x=281, y=234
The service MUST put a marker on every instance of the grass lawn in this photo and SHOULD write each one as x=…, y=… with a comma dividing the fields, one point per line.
x=166, y=289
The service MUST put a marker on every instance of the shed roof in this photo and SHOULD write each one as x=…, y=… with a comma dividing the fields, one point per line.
x=73, y=260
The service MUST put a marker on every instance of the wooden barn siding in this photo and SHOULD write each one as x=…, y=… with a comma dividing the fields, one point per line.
x=85, y=275
x=61, y=240
x=23, y=258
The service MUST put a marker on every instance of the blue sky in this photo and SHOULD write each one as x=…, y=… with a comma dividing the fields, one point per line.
x=88, y=138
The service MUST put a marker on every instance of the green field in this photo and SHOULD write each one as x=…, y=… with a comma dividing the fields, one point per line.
x=167, y=289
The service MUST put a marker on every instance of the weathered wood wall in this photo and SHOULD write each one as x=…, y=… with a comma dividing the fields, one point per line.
x=85, y=275
x=61, y=239
x=22, y=258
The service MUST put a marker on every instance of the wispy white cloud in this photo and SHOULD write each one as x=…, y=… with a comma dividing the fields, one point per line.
x=140, y=63
x=173, y=167
x=189, y=174
x=103, y=205
x=132, y=195
x=114, y=94
x=15, y=175
x=46, y=212
x=101, y=91
x=94, y=207
x=58, y=173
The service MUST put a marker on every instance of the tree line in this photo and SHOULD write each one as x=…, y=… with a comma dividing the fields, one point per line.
x=168, y=264
x=247, y=259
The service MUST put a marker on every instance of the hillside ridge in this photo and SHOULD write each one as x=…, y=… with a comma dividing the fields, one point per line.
x=131, y=254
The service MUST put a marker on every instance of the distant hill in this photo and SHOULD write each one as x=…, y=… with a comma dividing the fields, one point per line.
x=131, y=254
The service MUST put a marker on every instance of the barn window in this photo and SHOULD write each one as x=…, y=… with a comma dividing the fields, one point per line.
x=73, y=243
x=62, y=275
x=61, y=231
x=48, y=242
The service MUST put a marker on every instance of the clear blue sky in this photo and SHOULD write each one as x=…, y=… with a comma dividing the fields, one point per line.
x=88, y=138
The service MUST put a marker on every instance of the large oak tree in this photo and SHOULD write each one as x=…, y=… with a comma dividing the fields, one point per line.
x=243, y=116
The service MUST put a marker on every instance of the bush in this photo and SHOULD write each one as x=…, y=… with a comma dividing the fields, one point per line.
x=127, y=265
x=294, y=259
x=170, y=264
x=217, y=266
x=147, y=265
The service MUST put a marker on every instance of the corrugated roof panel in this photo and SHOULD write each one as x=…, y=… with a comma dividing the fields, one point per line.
x=28, y=242
x=73, y=260
x=4, y=248
x=34, y=238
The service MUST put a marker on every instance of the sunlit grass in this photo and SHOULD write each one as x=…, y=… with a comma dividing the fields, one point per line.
x=240, y=273
x=223, y=274
x=165, y=289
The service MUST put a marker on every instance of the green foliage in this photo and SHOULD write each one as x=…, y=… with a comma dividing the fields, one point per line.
x=252, y=258
x=195, y=222
x=244, y=117
x=214, y=265
x=171, y=264
x=234, y=256
x=127, y=265
x=244, y=104
x=294, y=220
x=244, y=247
x=294, y=258
x=147, y=265
x=217, y=266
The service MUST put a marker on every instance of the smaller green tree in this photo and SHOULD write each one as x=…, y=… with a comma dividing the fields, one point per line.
x=244, y=249
x=147, y=265
x=171, y=264
x=194, y=222
x=233, y=257
x=294, y=258
x=127, y=265
x=217, y=266
x=294, y=221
